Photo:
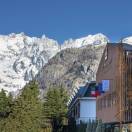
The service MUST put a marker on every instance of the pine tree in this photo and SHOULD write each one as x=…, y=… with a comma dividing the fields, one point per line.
x=26, y=112
x=55, y=107
x=5, y=104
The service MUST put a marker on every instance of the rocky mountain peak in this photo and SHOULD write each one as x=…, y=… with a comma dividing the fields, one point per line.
x=22, y=57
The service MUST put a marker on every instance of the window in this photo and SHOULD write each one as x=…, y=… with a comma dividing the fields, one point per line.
x=129, y=53
x=105, y=85
x=106, y=53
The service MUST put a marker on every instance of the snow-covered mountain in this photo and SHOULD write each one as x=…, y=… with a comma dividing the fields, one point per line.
x=22, y=57
x=127, y=40
x=97, y=39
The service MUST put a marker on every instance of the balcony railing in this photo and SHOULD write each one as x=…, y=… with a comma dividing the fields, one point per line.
x=84, y=119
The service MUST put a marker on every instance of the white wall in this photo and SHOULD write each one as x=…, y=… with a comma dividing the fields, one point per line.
x=87, y=109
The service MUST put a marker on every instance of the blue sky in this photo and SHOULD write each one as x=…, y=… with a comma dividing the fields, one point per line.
x=63, y=19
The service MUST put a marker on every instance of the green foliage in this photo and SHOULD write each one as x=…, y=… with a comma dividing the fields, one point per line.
x=72, y=124
x=91, y=126
x=55, y=107
x=81, y=127
x=100, y=127
x=26, y=112
x=116, y=129
x=5, y=104
x=94, y=125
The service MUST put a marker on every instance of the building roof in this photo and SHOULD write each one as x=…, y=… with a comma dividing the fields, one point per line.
x=81, y=91
x=125, y=46
x=84, y=91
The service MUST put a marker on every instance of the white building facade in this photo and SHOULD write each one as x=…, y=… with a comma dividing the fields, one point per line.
x=83, y=108
x=87, y=109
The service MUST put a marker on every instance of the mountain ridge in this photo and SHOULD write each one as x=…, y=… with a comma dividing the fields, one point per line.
x=22, y=57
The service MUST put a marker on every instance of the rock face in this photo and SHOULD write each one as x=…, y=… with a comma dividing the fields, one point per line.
x=71, y=67
x=22, y=57
x=74, y=65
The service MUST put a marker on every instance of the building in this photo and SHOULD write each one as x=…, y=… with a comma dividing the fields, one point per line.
x=83, y=105
x=114, y=77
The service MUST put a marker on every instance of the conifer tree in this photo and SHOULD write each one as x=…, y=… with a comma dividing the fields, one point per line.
x=26, y=111
x=55, y=107
x=5, y=104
